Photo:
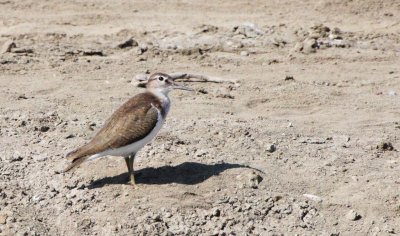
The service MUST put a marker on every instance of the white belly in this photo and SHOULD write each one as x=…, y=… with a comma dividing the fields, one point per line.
x=134, y=147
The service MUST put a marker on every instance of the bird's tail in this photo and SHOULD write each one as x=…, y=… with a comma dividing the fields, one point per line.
x=76, y=162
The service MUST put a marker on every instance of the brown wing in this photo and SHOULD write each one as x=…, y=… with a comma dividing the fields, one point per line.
x=131, y=122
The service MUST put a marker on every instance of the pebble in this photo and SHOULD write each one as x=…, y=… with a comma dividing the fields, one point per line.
x=289, y=77
x=244, y=53
x=250, y=30
x=3, y=219
x=21, y=50
x=7, y=46
x=353, y=215
x=40, y=158
x=312, y=197
x=129, y=42
x=44, y=128
x=309, y=46
x=216, y=212
x=92, y=52
x=254, y=180
x=270, y=148
x=385, y=146
x=201, y=152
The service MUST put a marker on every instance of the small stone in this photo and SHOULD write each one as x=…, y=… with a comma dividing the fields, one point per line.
x=156, y=217
x=22, y=96
x=254, y=180
x=385, y=146
x=201, y=153
x=353, y=215
x=249, y=30
x=44, y=128
x=216, y=212
x=298, y=47
x=70, y=136
x=7, y=46
x=92, y=52
x=22, y=50
x=3, y=219
x=289, y=78
x=13, y=158
x=312, y=197
x=37, y=198
x=203, y=91
x=270, y=148
x=392, y=93
x=130, y=42
x=142, y=49
x=40, y=158
x=310, y=46
x=141, y=77
x=244, y=53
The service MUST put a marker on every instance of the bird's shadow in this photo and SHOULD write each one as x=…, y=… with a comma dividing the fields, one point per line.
x=186, y=173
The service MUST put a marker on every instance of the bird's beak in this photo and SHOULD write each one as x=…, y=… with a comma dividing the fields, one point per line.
x=181, y=87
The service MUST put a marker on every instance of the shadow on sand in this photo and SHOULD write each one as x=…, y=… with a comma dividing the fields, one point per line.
x=185, y=173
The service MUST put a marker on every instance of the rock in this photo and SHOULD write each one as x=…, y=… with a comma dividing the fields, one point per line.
x=254, y=179
x=130, y=42
x=7, y=46
x=289, y=78
x=168, y=215
x=22, y=96
x=312, y=197
x=216, y=212
x=207, y=29
x=70, y=136
x=142, y=49
x=37, y=198
x=313, y=140
x=40, y=158
x=353, y=215
x=244, y=53
x=298, y=47
x=202, y=90
x=319, y=31
x=92, y=52
x=309, y=46
x=3, y=219
x=12, y=158
x=385, y=146
x=44, y=128
x=270, y=148
x=226, y=96
x=22, y=50
x=249, y=30
x=201, y=153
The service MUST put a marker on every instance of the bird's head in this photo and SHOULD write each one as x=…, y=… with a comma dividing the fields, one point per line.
x=163, y=83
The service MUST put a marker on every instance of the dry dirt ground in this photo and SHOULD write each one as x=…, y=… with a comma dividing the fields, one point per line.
x=319, y=82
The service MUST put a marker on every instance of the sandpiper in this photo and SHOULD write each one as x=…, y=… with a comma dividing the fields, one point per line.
x=132, y=126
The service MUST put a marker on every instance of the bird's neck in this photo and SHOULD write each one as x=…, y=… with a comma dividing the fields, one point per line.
x=162, y=95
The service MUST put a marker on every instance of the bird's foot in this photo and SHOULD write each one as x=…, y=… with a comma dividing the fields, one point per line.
x=132, y=181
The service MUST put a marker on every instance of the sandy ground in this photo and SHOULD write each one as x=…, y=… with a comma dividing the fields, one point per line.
x=319, y=81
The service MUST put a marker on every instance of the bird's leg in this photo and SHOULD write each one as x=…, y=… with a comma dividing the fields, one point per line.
x=129, y=162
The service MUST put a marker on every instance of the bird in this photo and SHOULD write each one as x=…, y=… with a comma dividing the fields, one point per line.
x=131, y=126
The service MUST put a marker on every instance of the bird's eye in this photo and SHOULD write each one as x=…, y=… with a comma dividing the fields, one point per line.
x=161, y=78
